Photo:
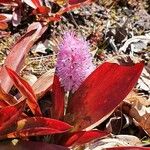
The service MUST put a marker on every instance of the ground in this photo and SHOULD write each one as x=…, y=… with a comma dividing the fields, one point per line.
x=107, y=26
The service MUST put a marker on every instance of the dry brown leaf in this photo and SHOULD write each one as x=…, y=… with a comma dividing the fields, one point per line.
x=136, y=100
x=118, y=140
x=141, y=115
x=30, y=78
x=132, y=3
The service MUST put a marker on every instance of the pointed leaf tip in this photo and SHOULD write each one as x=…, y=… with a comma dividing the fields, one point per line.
x=26, y=90
x=101, y=93
x=36, y=126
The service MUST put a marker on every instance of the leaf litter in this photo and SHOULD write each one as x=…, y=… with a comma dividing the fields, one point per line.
x=113, y=28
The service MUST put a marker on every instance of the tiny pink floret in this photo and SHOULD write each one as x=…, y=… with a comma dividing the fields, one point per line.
x=74, y=61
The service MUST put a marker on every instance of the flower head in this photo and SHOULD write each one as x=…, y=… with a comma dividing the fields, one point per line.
x=74, y=61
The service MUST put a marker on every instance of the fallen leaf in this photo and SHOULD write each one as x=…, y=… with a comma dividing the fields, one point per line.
x=138, y=43
x=115, y=140
x=30, y=78
x=41, y=47
x=128, y=148
x=135, y=99
x=140, y=114
x=16, y=18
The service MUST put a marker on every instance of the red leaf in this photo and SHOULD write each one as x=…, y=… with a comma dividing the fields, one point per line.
x=101, y=93
x=42, y=10
x=2, y=17
x=5, y=17
x=3, y=103
x=6, y=99
x=68, y=8
x=18, y=52
x=57, y=99
x=82, y=137
x=128, y=148
x=9, y=115
x=34, y=3
x=5, y=1
x=72, y=6
x=26, y=90
x=55, y=18
x=35, y=126
x=3, y=25
x=72, y=2
x=39, y=88
x=37, y=3
x=29, y=145
x=8, y=2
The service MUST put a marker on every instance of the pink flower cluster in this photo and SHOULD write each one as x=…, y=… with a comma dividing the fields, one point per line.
x=74, y=61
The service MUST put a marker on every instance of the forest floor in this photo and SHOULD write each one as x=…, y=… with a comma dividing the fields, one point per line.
x=119, y=30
